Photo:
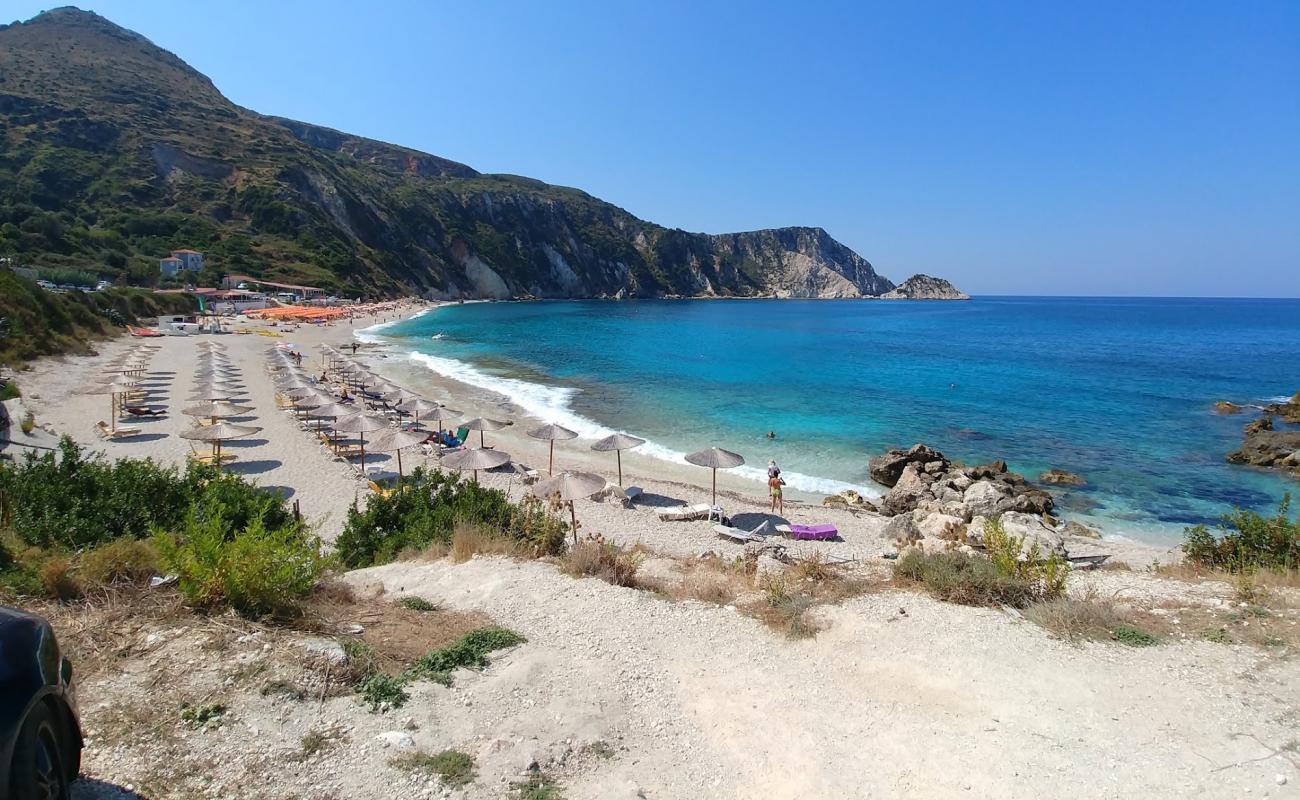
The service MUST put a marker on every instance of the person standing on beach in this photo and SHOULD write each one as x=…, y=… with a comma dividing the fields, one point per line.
x=774, y=484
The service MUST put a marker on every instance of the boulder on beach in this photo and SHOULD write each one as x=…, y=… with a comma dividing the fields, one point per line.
x=888, y=468
x=1059, y=477
x=1030, y=529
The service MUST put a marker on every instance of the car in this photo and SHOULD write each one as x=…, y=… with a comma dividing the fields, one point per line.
x=40, y=731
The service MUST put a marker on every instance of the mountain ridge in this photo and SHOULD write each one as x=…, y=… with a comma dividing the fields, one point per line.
x=116, y=150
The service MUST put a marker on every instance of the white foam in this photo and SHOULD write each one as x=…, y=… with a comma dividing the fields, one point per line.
x=552, y=403
x=371, y=335
x=1278, y=399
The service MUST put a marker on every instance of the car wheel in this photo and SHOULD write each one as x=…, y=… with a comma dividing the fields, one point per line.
x=38, y=771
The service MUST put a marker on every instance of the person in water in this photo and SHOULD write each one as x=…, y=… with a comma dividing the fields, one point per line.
x=771, y=434
x=774, y=484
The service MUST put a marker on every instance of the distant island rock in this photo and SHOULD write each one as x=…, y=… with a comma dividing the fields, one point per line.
x=925, y=287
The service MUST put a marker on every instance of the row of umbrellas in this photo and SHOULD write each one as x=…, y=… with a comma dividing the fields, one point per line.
x=216, y=392
x=121, y=377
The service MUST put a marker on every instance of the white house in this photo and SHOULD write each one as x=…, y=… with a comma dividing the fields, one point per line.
x=180, y=260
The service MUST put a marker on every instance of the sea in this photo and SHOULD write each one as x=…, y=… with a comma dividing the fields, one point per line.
x=1117, y=390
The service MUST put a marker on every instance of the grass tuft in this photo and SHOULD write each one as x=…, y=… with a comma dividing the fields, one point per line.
x=1133, y=637
x=455, y=768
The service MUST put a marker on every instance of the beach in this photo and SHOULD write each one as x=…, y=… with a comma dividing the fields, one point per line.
x=323, y=487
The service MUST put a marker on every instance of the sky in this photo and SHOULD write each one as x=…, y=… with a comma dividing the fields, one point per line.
x=1099, y=148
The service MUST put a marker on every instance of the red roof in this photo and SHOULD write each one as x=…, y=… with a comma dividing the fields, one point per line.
x=194, y=252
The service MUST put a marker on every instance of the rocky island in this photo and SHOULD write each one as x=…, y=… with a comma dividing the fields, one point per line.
x=924, y=287
x=1265, y=445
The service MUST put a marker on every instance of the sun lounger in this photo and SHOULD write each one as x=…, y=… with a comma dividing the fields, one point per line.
x=350, y=450
x=741, y=535
x=817, y=533
x=681, y=513
x=379, y=490
x=209, y=458
x=107, y=432
x=141, y=411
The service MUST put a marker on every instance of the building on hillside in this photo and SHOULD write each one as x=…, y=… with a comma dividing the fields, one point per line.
x=191, y=260
x=288, y=292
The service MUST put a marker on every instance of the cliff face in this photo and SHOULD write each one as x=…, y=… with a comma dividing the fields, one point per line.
x=117, y=151
x=924, y=287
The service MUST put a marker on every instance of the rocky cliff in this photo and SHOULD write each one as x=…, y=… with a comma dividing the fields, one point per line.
x=116, y=151
x=924, y=287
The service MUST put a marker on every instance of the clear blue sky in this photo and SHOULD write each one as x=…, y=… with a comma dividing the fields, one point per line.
x=1026, y=148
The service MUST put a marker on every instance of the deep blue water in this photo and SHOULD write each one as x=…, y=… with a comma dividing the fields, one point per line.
x=1117, y=390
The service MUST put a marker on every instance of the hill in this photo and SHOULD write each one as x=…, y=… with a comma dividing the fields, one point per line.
x=115, y=151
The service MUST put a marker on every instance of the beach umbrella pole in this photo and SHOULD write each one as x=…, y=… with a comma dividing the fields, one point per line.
x=619, y=456
x=550, y=468
x=573, y=517
x=715, y=486
x=399, y=465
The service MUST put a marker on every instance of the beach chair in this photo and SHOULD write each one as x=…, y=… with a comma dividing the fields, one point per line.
x=349, y=451
x=685, y=513
x=815, y=533
x=741, y=535
x=106, y=431
x=379, y=490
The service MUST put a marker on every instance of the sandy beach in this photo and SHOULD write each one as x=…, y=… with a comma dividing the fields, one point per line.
x=285, y=457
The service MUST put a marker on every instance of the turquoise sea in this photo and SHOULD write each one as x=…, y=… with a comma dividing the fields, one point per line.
x=1117, y=390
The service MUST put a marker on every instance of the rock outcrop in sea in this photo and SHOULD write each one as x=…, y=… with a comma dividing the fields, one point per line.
x=924, y=287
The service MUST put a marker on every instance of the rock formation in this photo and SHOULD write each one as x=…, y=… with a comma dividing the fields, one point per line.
x=924, y=287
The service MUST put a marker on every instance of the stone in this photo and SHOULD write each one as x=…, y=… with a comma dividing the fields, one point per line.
x=1224, y=407
x=939, y=526
x=1033, y=501
x=907, y=492
x=1032, y=530
x=1258, y=426
x=1073, y=528
x=902, y=528
x=985, y=498
x=886, y=469
x=327, y=649
x=1059, y=477
x=398, y=739
x=989, y=470
x=767, y=565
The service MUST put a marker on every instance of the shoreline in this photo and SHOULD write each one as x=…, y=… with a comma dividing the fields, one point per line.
x=488, y=395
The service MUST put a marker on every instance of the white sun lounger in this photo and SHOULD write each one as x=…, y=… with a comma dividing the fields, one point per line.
x=740, y=535
x=679, y=513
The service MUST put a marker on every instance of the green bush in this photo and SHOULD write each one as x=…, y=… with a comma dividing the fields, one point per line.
x=8, y=389
x=73, y=500
x=426, y=512
x=259, y=570
x=1012, y=559
x=1006, y=576
x=1246, y=541
x=469, y=651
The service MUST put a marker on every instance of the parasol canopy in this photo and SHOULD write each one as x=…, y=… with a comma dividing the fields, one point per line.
x=482, y=424
x=552, y=433
x=570, y=486
x=618, y=442
x=475, y=460
x=715, y=458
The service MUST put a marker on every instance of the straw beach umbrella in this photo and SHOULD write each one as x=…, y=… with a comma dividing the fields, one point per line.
x=481, y=424
x=715, y=458
x=395, y=441
x=217, y=409
x=113, y=388
x=551, y=433
x=360, y=424
x=618, y=442
x=218, y=433
x=417, y=407
x=476, y=460
x=570, y=486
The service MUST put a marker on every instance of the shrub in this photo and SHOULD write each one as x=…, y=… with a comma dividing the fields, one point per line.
x=469, y=651
x=1011, y=558
x=456, y=769
x=9, y=390
x=1246, y=541
x=28, y=424
x=428, y=512
x=122, y=562
x=598, y=558
x=787, y=611
x=74, y=501
x=383, y=692
x=1068, y=618
x=538, y=786
x=259, y=571
x=1133, y=637
x=965, y=579
x=415, y=603
x=57, y=579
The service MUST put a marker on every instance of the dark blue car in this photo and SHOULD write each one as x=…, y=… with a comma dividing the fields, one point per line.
x=40, y=735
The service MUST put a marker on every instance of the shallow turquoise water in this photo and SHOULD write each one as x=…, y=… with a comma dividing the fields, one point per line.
x=1117, y=390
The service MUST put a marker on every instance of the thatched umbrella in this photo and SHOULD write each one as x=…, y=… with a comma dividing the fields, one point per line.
x=218, y=433
x=329, y=410
x=570, y=486
x=551, y=433
x=416, y=407
x=715, y=458
x=360, y=424
x=115, y=387
x=216, y=409
x=481, y=424
x=395, y=441
x=618, y=442
x=476, y=460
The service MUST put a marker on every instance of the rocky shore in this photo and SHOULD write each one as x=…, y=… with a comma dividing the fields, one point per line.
x=934, y=502
x=1265, y=445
